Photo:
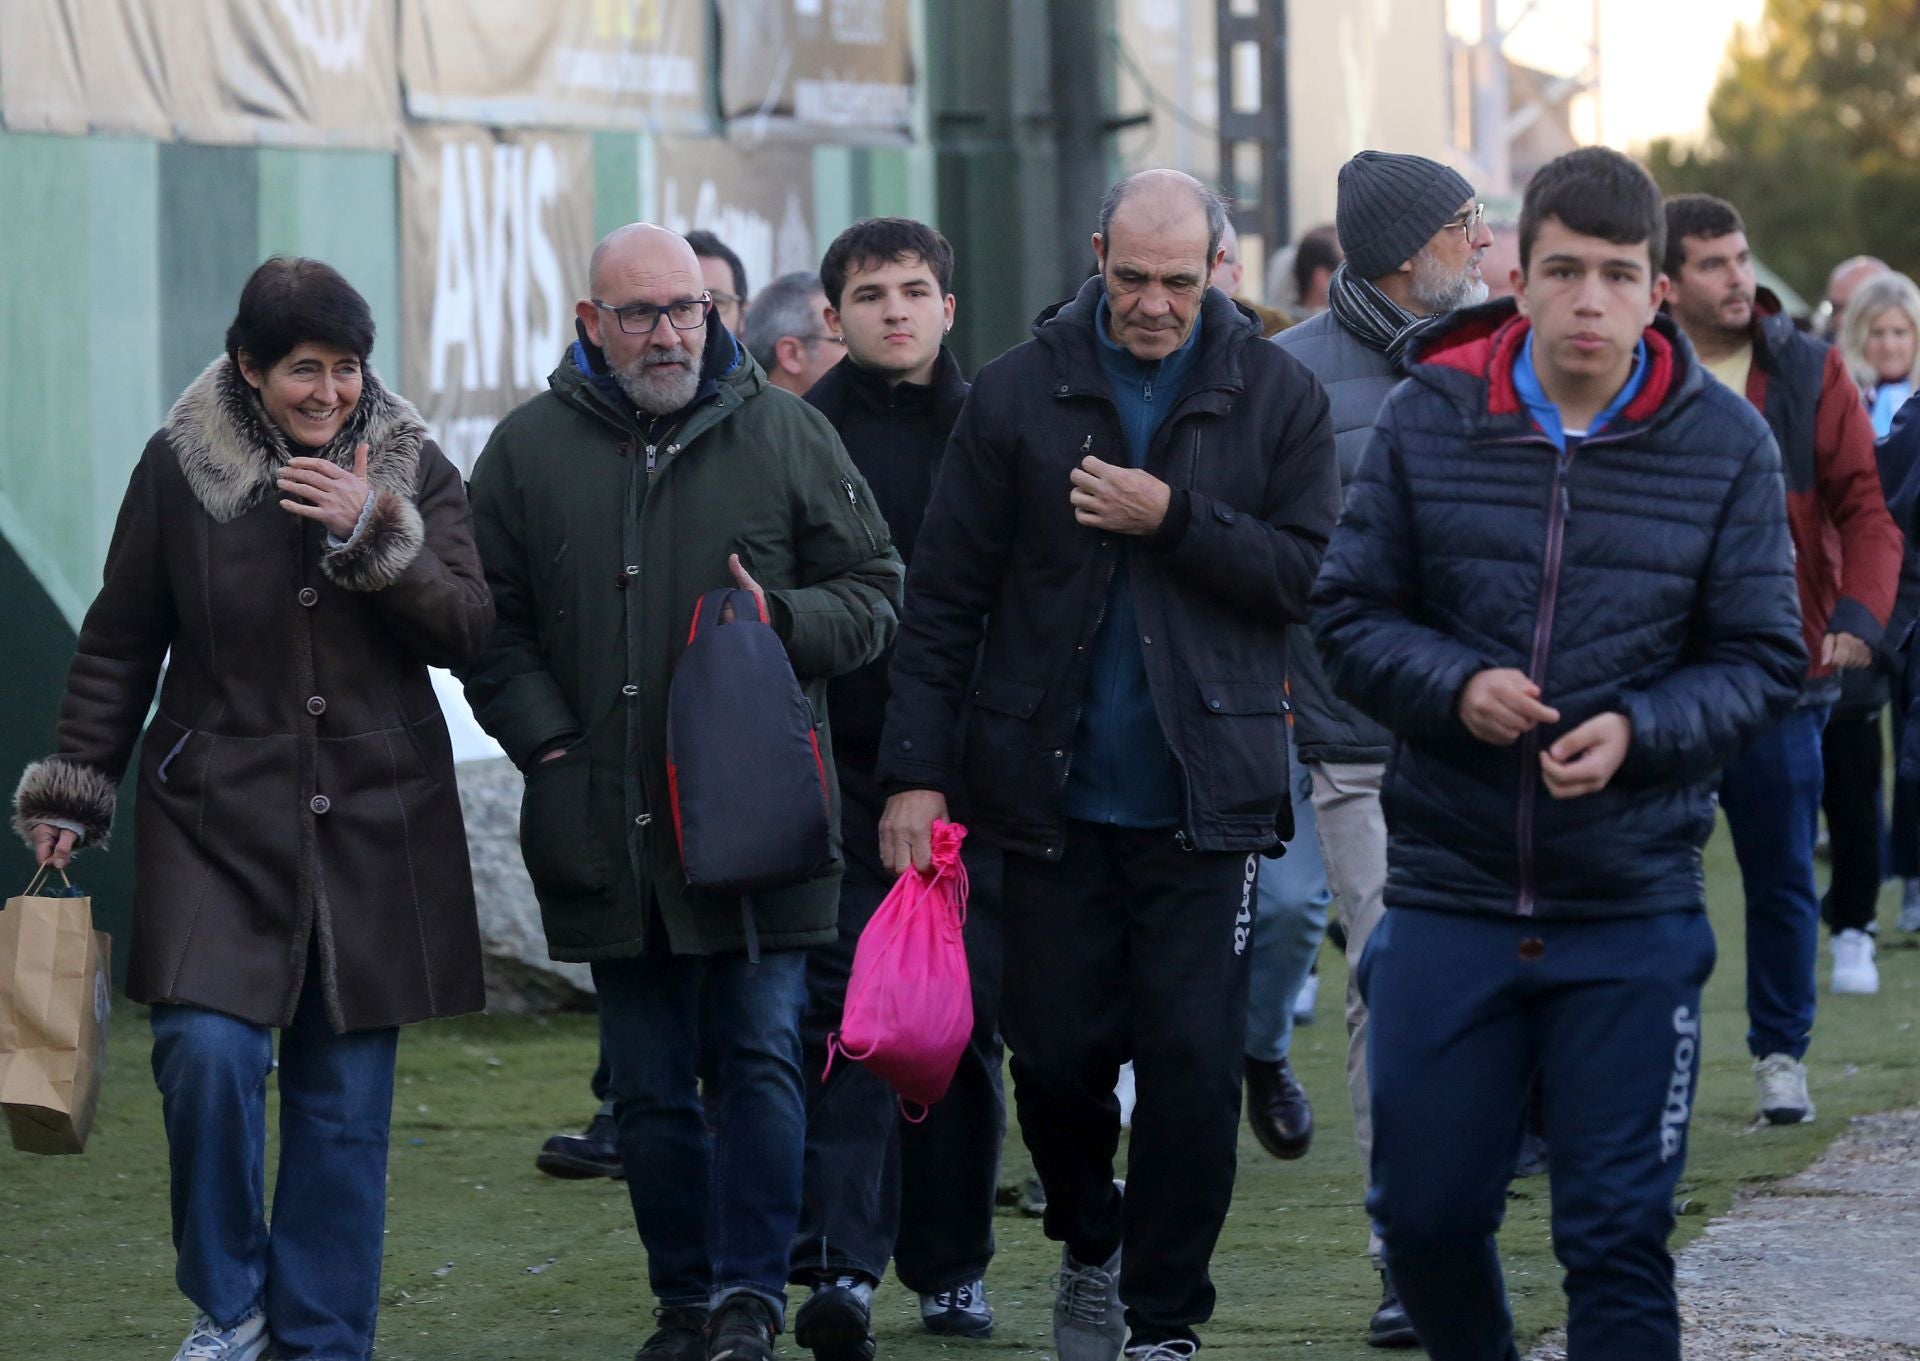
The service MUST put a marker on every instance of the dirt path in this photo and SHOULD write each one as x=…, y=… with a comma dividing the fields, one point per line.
x=1824, y=1266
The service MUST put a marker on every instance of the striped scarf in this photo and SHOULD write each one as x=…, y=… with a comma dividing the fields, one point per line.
x=1375, y=320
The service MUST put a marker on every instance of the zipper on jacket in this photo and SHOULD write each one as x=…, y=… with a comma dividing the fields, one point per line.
x=1558, y=513
x=1079, y=708
x=853, y=502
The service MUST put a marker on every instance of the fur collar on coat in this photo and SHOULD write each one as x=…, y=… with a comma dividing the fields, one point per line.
x=230, y=453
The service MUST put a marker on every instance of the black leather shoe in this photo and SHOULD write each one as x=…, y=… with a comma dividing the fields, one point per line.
x=742, y=1329
x=1389, y=1326
x=590, y=1153
x=1278, y=1109
x=681, y=1336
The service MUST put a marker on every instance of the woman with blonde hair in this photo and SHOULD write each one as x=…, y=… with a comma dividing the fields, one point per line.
x=1880, y=338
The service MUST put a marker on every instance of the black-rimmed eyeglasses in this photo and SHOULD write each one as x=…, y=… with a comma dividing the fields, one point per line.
x=640, y=318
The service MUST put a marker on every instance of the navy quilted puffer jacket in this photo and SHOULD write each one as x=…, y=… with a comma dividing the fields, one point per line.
x=1650, y=573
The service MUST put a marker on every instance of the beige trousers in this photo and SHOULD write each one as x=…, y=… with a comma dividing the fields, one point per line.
x=1353, y=842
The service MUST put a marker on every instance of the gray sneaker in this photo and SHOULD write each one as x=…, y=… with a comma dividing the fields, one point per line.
x=1780, y=1082
x=1088, y=1321
x=1910, y=906
x=1178, y=1350
x=246, y=1340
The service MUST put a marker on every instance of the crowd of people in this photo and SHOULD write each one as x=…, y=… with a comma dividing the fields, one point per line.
x=1440, y=613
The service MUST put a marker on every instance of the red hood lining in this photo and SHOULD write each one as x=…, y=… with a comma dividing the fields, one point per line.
x=1488, y=348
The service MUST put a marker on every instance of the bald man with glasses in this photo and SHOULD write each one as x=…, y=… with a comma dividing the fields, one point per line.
x=658, y=466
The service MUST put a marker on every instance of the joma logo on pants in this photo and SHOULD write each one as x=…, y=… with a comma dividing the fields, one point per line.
x=1243, y=921
x=1673, y=1120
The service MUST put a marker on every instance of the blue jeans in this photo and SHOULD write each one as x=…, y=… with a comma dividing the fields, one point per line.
x=1290, y=918
x=1465, y=1014
x=716, y=1206
x=1771, y=795
x=317, y=1269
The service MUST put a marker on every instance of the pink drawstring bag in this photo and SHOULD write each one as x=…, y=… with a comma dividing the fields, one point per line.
x=909, y=1008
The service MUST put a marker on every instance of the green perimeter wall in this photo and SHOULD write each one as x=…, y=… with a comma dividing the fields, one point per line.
x=121, y=261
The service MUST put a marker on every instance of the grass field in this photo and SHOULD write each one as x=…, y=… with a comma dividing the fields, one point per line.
x=489, y=1261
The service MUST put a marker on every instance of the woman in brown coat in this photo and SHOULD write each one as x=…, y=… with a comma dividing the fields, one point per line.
x=296, y=554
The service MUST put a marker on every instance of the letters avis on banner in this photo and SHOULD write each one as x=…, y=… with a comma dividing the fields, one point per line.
x=496, y=229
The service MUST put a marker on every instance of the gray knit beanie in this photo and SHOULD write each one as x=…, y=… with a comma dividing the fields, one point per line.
x=1389, y=206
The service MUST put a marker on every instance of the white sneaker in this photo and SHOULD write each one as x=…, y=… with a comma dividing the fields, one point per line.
x=1853, y=968
x=1124, y=1093
x=1088, y=1322
x=245, y=1341
x=1304, y=999
x=1781, y=1081
x=1910, y=906
x=1180, y=1350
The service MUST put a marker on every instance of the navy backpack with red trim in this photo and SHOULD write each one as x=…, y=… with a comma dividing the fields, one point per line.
x=748, y=786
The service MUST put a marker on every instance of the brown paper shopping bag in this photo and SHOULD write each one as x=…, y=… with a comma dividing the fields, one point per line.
x=54, y=1001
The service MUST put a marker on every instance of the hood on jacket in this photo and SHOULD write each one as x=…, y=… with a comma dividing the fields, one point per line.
x=1481, y=344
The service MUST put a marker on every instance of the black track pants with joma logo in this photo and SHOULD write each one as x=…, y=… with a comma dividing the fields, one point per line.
x=1130, y=947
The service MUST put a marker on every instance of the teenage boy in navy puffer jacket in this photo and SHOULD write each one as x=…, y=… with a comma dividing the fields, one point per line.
x=1565, y=581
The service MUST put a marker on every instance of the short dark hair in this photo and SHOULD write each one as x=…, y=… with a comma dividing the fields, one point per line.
x=1318, y=249
x=1696, y=215
x=877, y=241
x=289, y=301
x=1209, y=203
x=708, y=246
x=1595, y=191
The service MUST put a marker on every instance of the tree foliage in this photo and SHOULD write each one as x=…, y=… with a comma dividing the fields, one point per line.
x=1814, y=134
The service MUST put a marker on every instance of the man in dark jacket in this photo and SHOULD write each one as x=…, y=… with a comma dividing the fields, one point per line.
x=876, y=1186
x=661, y=466
x=1130, y=515
x=1848, y=563
x=1565, y=582
x=1414, y=237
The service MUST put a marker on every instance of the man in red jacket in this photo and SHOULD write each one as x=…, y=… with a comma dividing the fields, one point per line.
x=1847, y=552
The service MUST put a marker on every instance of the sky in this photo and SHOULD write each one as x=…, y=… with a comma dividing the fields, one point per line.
x=1659, y=59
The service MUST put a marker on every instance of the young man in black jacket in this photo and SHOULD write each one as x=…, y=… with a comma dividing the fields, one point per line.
x=876, y=1186
x=1565, y=581
x=1129, y=516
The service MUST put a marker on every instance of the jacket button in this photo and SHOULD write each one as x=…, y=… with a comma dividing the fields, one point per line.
x=309, y=597
x=1063, y=389
x=316, y=706
x=633, y=569
x=319, y=803
x=1532, y=948
x=1059, y=754
x=1147, y=638
x=629, y=690
x=906, y=744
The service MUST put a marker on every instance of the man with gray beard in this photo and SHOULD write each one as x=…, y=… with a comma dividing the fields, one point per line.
x=1414, y=238
x=661, y=465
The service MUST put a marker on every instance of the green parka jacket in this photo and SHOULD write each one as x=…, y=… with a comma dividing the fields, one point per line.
x=596, y=544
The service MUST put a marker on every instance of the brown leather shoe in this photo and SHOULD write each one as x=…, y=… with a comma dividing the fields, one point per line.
x=1278, y=1109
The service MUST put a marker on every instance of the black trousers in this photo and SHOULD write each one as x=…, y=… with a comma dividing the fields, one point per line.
x=1855, y=769
x=1131, y=947
x=875, y=1185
